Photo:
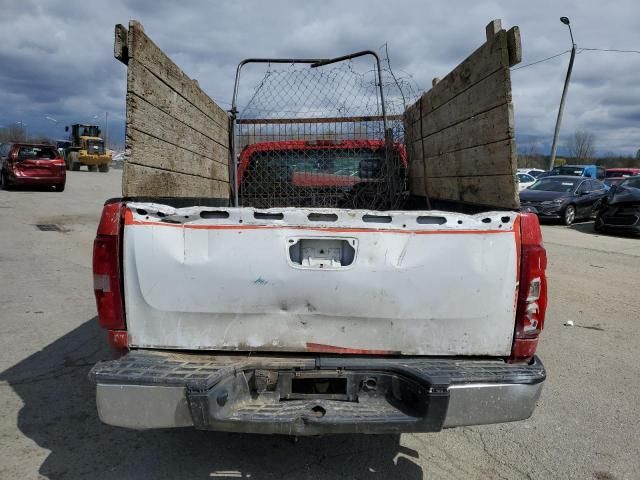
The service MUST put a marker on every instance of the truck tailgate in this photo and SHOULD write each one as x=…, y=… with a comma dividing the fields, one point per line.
x=314, y=280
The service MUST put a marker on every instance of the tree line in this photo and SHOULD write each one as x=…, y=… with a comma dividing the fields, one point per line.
x=581, y=148
x=18, y=133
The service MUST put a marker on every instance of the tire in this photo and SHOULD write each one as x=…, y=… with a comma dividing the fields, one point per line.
x=598, y=224
x=104, y=168
x=569, y=215
x=74, y=164
x=4, y=182
x=92, y=168
x=59, y=187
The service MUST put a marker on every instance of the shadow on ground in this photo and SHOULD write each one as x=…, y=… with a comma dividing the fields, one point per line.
x=59, y=415
x=587, y=227
x=584, y=227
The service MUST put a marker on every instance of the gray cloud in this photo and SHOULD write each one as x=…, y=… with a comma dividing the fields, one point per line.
x=57, y=56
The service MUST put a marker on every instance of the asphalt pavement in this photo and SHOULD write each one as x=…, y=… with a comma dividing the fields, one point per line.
x=586, y=425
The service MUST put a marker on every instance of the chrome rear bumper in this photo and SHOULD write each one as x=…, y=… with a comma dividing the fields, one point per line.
x=229, y=393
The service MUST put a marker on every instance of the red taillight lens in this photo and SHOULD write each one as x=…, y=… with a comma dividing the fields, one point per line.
x=532, y=292
x=106, y=269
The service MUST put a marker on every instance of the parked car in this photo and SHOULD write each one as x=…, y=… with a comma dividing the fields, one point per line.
x=524, y=181
x=31, y=164
x=619, y=210
x=592, y=171
x=621, y=172
x=534, y=172
x=563, y=197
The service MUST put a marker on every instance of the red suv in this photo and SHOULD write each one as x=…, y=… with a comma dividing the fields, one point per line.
x=31, y=164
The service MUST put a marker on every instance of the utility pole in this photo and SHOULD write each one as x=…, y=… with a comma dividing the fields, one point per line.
x=106, y=130
x=554, y=146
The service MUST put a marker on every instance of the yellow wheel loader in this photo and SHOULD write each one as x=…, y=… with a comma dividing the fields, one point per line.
x=87, y=148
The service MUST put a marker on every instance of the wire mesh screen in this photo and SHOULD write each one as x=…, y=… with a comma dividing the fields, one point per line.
x=315, y=137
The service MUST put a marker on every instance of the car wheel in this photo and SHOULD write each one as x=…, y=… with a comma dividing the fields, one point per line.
x=569, y=215
x=104, y=167
x=598, y=224
x=4, y=181
x=59, y=187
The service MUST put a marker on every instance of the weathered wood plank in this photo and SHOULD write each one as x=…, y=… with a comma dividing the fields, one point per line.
x=494, y=190
x=493, y=28
x=490, y=57
x=468, y=153
x=146, y=118
x=514, y=45
x=143, y=83
x=142, y=181
x=490, y=159
x=417, y=186
x=411, y=115
x=416, y=160
x=154, y=152
x=120, y=49
x=142, y=48
x=485, y=95
x=488, y=127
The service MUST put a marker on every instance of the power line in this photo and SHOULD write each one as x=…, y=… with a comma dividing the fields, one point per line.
x=609, y=50
x=540, y=61
x=580, y=50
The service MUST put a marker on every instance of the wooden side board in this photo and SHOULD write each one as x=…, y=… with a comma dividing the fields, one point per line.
x=460, y=134
x=177, y=138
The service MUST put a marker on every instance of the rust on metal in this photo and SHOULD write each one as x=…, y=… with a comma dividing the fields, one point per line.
x=276, y=121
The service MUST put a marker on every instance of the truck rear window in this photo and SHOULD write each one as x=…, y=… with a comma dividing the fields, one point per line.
x=279, y=165
x=328, y=177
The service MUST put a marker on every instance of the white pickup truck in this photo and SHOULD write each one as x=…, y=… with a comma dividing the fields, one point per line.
x=313, y=320
x=310, y=321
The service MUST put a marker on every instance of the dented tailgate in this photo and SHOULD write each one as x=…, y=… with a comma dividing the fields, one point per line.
x=299, y=280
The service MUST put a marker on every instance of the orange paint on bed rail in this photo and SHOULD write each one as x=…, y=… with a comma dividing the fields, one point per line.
x=130, y=221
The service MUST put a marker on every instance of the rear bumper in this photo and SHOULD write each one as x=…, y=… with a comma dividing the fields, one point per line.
x=262, y=394
x=22, y=179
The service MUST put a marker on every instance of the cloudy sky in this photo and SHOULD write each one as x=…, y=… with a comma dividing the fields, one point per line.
x=56, y=57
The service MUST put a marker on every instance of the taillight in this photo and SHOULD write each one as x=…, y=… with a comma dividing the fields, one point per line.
x=532, y=292
x=106, y=274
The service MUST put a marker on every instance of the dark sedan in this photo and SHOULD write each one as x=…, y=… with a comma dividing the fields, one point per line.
x=619, y=211
x=567, y=198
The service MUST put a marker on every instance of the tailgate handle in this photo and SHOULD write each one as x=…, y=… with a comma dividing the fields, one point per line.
x=322, y=253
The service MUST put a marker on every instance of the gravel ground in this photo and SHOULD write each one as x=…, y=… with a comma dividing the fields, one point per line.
x=586, y=424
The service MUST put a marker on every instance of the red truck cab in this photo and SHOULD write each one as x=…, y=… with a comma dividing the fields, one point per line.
x=31, y=164
x=300, y=172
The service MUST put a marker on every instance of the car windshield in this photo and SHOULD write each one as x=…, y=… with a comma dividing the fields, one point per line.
x=550, y=184
x=631, y=182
